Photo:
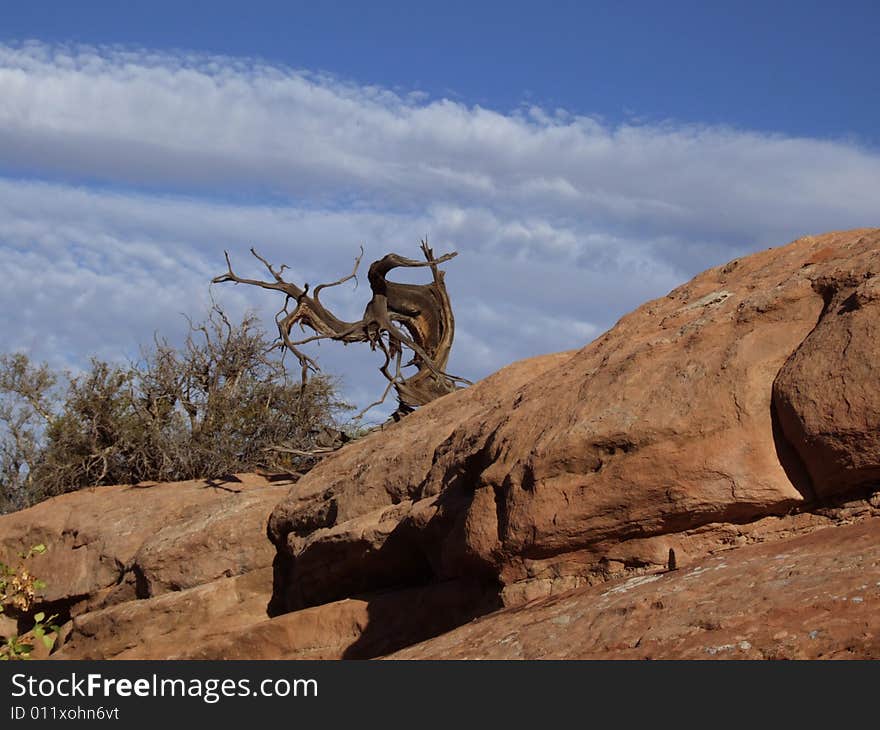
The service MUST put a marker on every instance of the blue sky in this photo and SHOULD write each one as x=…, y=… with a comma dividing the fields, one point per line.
x=800, y=67
x=581, y=157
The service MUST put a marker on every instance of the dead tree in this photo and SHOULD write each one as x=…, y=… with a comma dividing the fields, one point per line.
x=400, y=319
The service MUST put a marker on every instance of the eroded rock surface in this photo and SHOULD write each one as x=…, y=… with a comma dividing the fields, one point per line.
x=827, y=392
x=734, y=422
x=540, y=475
x=353, y=628
x=112, y=544
x=811, y=597
x=171, y=623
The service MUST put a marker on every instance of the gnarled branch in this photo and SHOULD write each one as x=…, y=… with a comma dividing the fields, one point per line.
x=398, y=317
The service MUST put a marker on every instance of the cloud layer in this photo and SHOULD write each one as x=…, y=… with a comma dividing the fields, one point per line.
x=127, y=172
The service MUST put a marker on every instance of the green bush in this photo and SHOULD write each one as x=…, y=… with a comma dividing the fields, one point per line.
x=18, y=592
x=220, y=404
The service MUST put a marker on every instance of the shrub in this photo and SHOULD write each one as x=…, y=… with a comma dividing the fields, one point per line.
x=222, y=403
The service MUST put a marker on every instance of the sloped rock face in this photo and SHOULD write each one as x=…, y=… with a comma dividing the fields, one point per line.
x=166, y=625
x=364, y=492
x=353, y=628
x=740, y=411
x=183, y=571
x=810, y=597
x=547, y=474
x=113, y=544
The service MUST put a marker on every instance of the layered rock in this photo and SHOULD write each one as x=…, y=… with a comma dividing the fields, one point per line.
x=171, y=623
x=353, y=628
x=112, y=544
x=739, y=409
x=541, y=475
x=810, y=597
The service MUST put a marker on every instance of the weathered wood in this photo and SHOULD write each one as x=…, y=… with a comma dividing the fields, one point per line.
x=399, y=317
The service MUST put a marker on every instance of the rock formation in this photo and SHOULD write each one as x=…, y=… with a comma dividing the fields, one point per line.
x=810, y=597
x=734, y=422
x=749, y=391
x=127, y=566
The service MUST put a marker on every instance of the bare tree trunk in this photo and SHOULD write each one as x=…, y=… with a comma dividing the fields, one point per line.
x=398, y=318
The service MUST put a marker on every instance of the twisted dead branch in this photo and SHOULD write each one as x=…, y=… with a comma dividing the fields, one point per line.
x=399, y=317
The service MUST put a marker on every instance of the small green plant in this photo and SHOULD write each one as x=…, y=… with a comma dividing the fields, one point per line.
x=18, y=592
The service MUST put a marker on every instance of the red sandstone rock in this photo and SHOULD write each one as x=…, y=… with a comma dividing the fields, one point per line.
x=737, y=410
x=810, y=597
x=665, y=423
x=160, y=627
x=112, y=544
x=355, y=628
x=827, y=392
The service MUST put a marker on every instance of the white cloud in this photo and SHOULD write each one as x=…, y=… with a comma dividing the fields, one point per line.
x=217, y=123
x=105, y=270
x=152, y=164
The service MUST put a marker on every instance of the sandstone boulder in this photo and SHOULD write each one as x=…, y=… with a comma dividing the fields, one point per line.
x=112, y=544
x=827, y=392
x=737, y=412
x=665, y=423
